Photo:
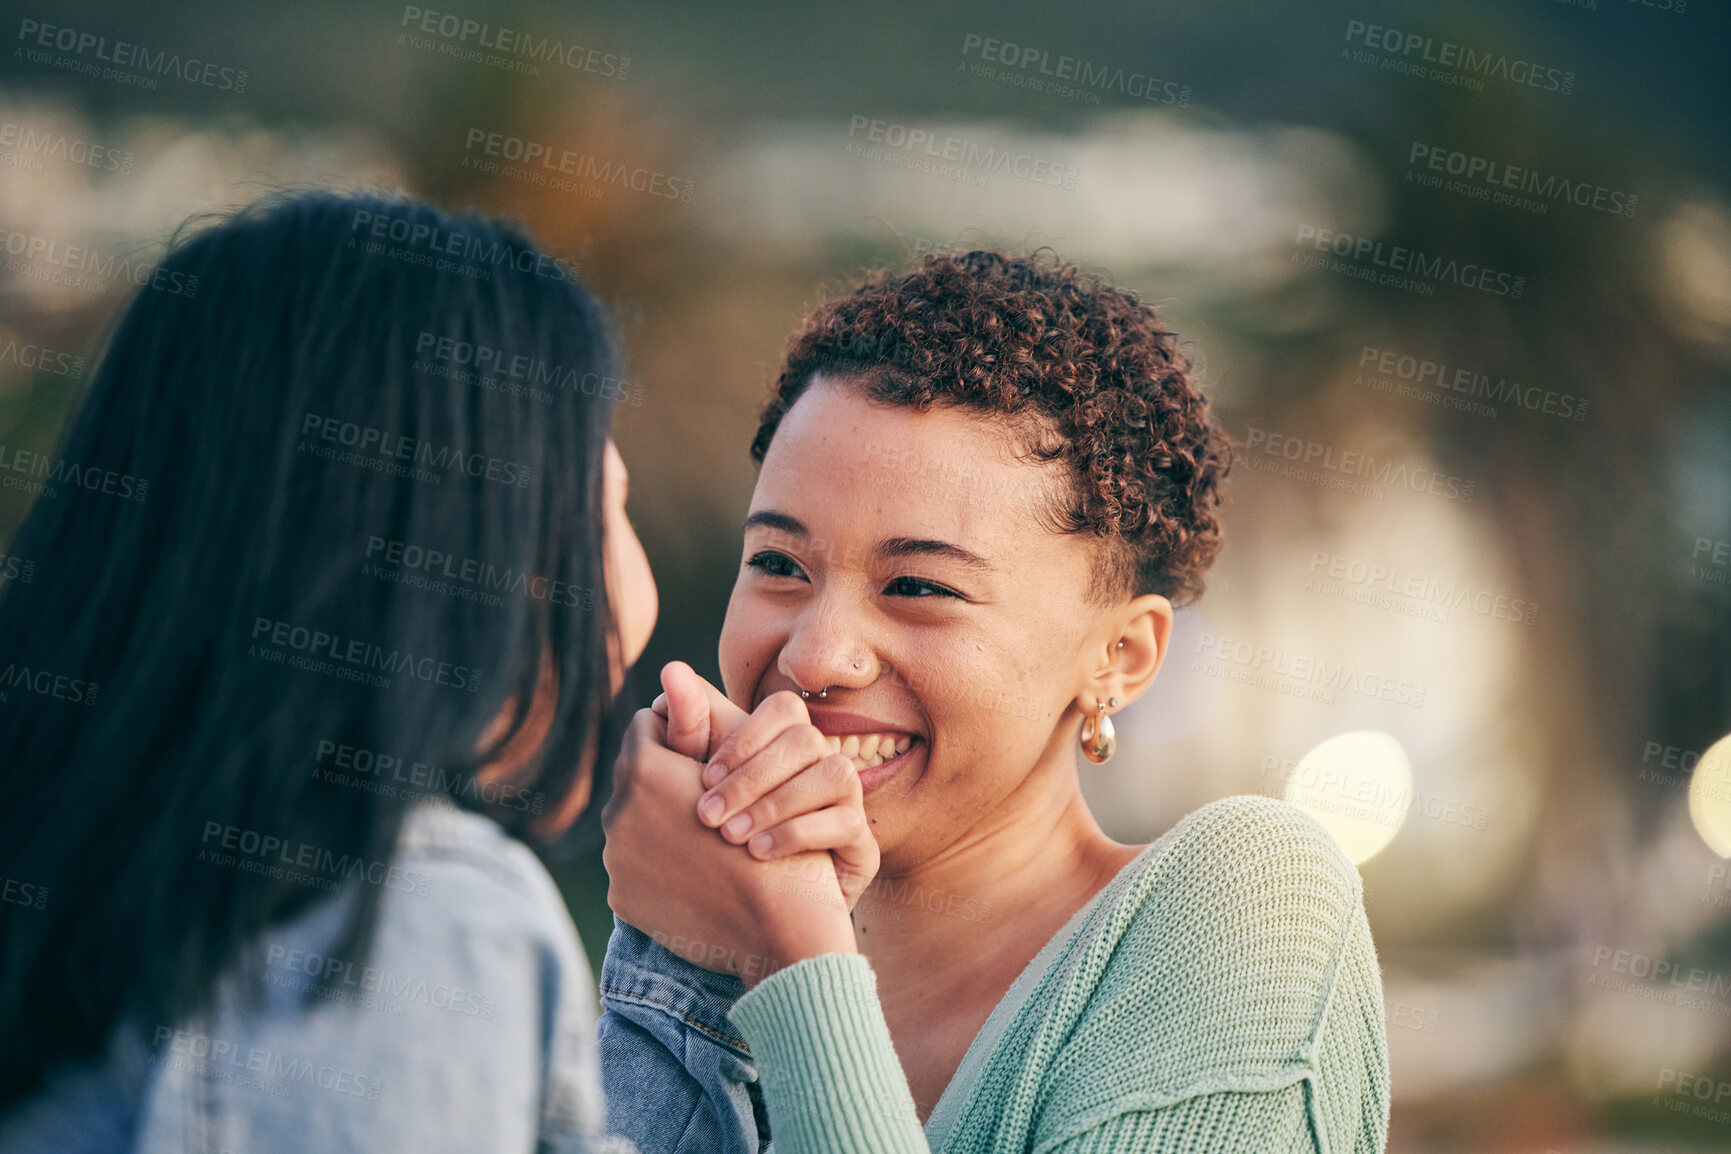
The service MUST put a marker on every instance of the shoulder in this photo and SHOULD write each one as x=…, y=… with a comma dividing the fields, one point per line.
x=1223, y=943
x=1249, y=854
x=1241, y=881
x=462, y=867
x=1233, y=956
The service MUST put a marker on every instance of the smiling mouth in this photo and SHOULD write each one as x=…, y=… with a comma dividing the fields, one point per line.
x=870, y=750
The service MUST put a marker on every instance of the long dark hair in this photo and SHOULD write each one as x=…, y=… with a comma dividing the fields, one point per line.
x=332, y=502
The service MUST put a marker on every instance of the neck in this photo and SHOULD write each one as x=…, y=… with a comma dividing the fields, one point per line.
x=1000, y=891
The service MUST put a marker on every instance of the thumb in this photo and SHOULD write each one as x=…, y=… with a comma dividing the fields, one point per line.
x=699, y=716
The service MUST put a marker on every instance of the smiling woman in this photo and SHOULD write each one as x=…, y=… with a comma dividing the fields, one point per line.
x=947, y=936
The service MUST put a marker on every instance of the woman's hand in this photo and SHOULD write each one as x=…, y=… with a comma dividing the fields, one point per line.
x=774, y=785
x=675, y=879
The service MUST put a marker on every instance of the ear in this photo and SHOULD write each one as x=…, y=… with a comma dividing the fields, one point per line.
x=1133, y=650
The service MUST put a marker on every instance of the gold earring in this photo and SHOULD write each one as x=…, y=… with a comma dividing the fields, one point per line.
x=1099, y=742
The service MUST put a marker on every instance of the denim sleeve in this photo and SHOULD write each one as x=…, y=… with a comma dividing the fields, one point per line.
x=678, y=1077
x=470, y=1025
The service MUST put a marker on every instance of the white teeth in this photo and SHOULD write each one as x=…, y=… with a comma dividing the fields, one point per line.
x=867, y=750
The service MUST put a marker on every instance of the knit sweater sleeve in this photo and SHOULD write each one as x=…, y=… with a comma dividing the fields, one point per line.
x=829, y=1073
x=1230, y=1001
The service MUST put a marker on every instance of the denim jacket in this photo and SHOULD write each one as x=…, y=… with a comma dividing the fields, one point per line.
x=679, y=1079
x=470, y=1026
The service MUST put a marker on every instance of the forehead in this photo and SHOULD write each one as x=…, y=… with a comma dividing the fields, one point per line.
x=947, y=472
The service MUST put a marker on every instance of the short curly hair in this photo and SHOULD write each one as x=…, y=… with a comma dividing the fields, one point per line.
x=1032, y=337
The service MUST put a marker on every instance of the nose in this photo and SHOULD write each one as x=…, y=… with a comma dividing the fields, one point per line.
x=825, y=650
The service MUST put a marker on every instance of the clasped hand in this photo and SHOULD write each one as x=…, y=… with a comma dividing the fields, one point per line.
x=736, y=839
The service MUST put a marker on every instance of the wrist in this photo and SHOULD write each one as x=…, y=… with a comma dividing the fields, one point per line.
x=796, y=944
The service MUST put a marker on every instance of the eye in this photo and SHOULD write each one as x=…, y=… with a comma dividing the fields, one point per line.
x=774, y=564
x=918, y=587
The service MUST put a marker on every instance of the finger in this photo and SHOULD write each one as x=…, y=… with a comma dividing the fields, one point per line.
x=778, y=712
x=843, y=830
x=796, y=774
x=856, y=861
x=687, y=711
x=644, y=727
x=828, y=828
x=696, y=695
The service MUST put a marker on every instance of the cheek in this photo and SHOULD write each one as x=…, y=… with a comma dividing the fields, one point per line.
x=747, y=646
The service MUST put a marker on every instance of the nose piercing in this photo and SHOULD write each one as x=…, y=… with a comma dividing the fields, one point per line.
x=822, y=693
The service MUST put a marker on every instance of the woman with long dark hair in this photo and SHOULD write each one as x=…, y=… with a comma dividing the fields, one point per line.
x=334, y=593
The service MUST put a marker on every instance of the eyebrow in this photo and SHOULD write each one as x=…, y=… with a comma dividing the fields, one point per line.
x=888, y=547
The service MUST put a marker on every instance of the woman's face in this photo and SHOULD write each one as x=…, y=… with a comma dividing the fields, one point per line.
x=630, y=584
x=898, y=559
x=631, y=593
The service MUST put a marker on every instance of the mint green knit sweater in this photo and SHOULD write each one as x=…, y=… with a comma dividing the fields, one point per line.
x=1221, y=994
